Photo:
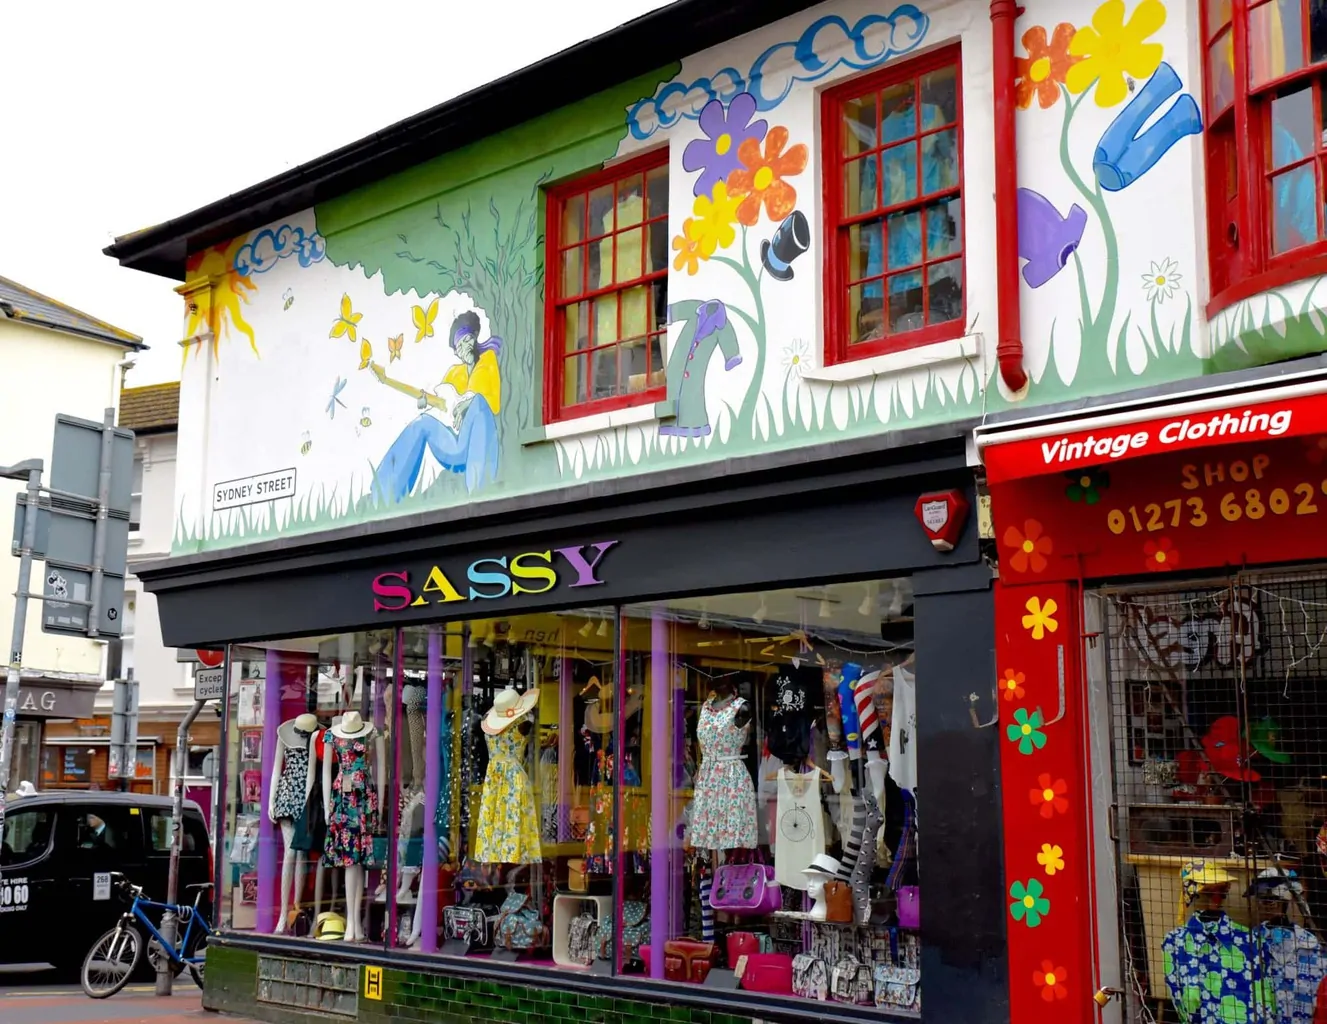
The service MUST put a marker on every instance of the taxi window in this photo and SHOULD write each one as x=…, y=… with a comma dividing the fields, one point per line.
x=93, y=832
x=27, y=835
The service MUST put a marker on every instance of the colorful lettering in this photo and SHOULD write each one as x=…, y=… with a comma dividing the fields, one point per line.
x=381, y=588
x=437, y=583
x=585, y=569
x=533, y=572
x=486, y=579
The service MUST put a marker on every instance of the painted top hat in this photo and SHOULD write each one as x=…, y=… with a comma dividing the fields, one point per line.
x=791, y=239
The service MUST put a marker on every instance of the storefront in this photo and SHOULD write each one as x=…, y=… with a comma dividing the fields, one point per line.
x=676, y=747
x=1161, y=621
x=42, y=700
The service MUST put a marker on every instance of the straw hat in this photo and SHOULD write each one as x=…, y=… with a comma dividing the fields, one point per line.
x=509, y=707
x=329, y=927
x=823, y=864
x=352, y=726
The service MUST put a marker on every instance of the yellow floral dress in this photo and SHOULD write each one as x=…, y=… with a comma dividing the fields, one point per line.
x=508, y=830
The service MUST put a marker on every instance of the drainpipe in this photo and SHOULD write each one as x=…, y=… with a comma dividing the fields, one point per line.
x=1009, y=346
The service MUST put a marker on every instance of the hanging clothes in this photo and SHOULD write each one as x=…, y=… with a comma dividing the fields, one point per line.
x=800, y=827
x=354, y=818
x=1296, y=968
x=294, y=778
x=723, y=813
x=508, y=829
x=795, y=699
x=442, y=813
x=903, y=731
x=1216, y=971
x=635, y=817
x=548, y=794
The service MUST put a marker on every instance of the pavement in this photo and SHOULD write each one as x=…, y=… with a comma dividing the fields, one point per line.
x=46, y=998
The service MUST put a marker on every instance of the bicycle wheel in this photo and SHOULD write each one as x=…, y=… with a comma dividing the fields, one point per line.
x=111, y=961
x=199, y=949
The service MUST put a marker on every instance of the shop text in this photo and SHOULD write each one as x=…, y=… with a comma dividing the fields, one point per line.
x=488, y=579
x=1253, y=503
x=1235, y=426
x=251, y=490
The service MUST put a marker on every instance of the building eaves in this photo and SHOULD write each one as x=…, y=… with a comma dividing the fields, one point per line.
x=23, y=305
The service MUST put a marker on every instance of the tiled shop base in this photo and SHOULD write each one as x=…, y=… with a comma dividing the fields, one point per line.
x=288, y=990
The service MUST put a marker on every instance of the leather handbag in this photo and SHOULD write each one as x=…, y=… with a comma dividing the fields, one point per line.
x=579, y=822
x=909, y=907
x=741, y=944
x=838, y=902
x=810, y=976
x=688, y=959
x=851, y=982
x=746, y=889
x=577, y=879
x=771, y=973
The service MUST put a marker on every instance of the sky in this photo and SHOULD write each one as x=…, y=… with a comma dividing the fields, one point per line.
x=121, y=115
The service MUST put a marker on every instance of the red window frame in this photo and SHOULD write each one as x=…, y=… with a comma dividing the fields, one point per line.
x=838, y=349
x=1240, y=171
x=556, y=356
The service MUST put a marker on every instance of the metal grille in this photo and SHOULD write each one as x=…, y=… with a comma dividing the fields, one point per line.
x=1218, y=717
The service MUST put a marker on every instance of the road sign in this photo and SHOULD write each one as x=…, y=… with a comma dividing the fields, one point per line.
x=211, y=659
x=209, y=683
x=62, y=584
x=76, y=461
x=68, y=535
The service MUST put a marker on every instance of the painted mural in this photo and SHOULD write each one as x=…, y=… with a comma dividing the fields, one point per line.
x=383, y=353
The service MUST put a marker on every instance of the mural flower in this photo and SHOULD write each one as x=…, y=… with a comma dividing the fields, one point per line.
x=715, y=219
x=347, y=324
x=715, y=156
x=1162, y=280
x=1161, y=555
x=1050, y=979
x=1112, y=48
x=1026, y=731
x=795, y=356
x=1049, y=796
x=1012, y=684
x=761, y=179
x=1029, y=548
x=1086, y=485
x=1040, y=617
x=1051, y=858
x=690, y=248
x=1042, y=71
x=1029, y=905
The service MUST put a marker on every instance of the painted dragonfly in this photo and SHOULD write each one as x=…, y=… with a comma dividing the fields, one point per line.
x=335, y=400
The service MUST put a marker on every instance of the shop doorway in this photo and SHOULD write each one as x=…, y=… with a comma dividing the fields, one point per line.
x=1212, y=777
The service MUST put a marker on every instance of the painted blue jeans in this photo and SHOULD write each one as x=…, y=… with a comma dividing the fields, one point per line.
x=472, y=450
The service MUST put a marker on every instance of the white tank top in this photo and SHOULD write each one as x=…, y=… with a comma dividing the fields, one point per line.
x=799, y=827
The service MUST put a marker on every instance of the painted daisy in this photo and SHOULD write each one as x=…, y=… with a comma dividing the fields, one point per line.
x=1162, y=280
x=796, y=357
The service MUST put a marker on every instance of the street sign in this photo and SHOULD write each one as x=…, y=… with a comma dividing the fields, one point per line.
x=76, y=461
x=68, y=535
x=62, y=584
x=209, y=683
x=211, y=659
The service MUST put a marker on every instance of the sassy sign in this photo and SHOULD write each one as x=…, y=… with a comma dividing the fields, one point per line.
x=1032, y=453
x=490, y=579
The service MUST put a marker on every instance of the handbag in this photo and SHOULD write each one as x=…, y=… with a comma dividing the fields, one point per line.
x=810, y=977
x=909, y=907
x=688, y=959
x=519, y=926
x=465, y=924
x=741, y=944
x=635, y=931
x=746, y=889
x=579, y=822
x=898, y=980
x=838, y=902
x=851, y=982
x=771, y=973
x=577, y=879
x=583, y=938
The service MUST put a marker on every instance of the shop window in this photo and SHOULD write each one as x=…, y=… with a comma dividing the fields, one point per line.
x=27, y=836
x=75, y=765
x=193, y=839
x=1265, y=67
x=893, y=167
x=606, y=287
x=654, y=791
x=136, y=496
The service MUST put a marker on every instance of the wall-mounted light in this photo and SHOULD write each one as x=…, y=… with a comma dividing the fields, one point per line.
x=762, y=612
x=586, y=629
x=603, y=628
x=867, y=607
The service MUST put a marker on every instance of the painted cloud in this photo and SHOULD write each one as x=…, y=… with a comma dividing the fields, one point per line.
x=269, y=247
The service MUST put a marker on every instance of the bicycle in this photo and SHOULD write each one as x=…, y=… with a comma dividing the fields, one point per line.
x=115, y=956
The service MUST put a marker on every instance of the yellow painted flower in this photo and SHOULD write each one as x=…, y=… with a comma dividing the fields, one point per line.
x=690, y=250
x=1040, y=617
x=715, y=219
x=1051, y=858
x=1112, y=48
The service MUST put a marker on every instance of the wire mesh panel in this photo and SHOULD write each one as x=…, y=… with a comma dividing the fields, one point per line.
x=1218, y=723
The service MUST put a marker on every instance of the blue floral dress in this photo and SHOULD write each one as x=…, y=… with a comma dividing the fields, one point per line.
x=1217, y=972
x=354, y=818
x=508, y=830
x=723, y=813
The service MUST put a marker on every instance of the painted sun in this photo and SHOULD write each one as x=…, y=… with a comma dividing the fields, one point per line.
x=229, y=294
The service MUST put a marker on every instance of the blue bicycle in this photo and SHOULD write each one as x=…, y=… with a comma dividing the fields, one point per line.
x=115, y=956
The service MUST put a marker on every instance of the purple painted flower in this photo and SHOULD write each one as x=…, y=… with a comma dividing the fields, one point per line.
x=716, y=155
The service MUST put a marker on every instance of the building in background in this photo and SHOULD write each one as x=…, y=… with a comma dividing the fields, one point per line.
x=56, y=360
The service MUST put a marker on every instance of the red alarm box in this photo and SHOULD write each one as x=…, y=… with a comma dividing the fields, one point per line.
x=942, y=515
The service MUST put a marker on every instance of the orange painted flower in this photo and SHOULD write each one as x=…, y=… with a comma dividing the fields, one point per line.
x=761, y=179
x=1012, y=684
x=1028, y=548
x=1044, y=68
x=1049, y=796
x=1161, y=555
x=1050, y=979
x=1051, y=858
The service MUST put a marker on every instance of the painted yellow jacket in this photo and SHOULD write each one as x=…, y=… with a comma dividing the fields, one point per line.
x=482, y=380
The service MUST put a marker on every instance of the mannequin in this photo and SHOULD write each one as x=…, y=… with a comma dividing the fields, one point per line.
x=292, y=774
x=822, y=869
x=1294, y=958
x=723, y=813
x=508, y=827
x=352, y=808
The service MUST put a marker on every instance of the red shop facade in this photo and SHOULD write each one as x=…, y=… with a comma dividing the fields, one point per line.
x=1161, y=703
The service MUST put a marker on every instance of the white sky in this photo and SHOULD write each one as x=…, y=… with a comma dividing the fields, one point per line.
x=124, y=114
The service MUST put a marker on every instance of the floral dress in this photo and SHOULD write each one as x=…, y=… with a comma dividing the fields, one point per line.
x=723, y=814
x=508, y=830
x=354, y=817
